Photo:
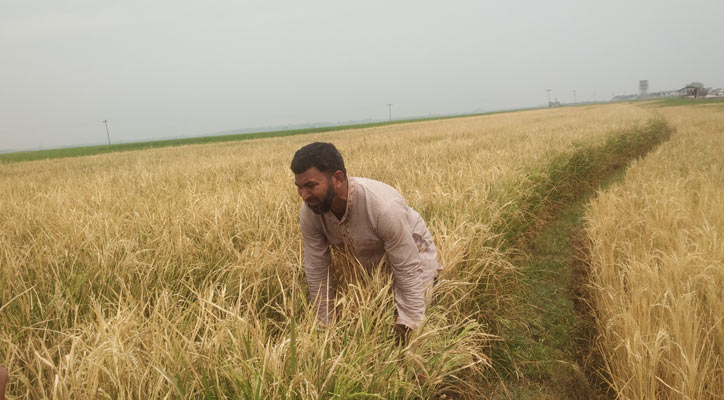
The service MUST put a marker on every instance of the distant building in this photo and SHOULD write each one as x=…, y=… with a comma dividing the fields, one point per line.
x=694, y=90
x=626, y=97
x=555, y=103
x=665, y=93
x=643, y=88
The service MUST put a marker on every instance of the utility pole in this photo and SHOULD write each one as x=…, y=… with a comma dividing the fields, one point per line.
x=549, y=97
x=574, y=97
x=389, y=106
x=105, y=121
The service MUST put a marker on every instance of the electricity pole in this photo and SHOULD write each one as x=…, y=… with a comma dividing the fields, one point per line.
x=389, y=106
x=549, y=97
x=105, y=121
x=574, y=97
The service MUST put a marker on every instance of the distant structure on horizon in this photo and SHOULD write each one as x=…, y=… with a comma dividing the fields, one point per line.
x=694, y=90
x=643, y=88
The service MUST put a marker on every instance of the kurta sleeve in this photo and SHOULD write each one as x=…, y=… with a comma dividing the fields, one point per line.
x=317, y=265
x=402, y=253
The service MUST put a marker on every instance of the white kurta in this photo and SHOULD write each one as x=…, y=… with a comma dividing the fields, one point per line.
x=377, y=221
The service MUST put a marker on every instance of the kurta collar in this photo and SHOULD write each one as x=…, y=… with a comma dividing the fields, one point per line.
x=351, y=191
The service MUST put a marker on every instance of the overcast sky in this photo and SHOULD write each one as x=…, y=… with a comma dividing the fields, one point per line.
x=159, y=69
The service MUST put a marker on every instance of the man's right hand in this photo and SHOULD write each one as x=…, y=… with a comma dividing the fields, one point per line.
x=403, y=334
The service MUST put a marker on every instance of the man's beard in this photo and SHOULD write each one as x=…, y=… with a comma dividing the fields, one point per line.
x=326, y=203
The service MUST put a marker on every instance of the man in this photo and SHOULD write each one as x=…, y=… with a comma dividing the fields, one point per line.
x=369, y=218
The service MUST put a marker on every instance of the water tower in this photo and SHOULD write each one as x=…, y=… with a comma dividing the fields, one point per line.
x=643, y=88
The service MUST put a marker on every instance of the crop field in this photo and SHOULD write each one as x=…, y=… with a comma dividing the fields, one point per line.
x=658, y=265
x=118, y=147
x=178, y=272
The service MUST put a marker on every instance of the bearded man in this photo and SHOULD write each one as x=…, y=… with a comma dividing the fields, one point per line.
x=367, y=217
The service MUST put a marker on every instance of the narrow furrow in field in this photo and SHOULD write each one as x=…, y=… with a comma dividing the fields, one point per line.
x=545, y=352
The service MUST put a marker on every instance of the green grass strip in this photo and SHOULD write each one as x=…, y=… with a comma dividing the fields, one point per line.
x=569, y=176
x=679, y=101
x=101, y=149
x=545, y=334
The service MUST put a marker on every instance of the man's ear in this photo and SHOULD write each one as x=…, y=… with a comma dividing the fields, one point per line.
x=338, y=177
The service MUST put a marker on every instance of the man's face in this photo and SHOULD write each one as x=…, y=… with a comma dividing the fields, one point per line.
x=315, y=188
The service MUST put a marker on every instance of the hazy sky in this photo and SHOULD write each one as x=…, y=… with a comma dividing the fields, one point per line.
x=158, y=69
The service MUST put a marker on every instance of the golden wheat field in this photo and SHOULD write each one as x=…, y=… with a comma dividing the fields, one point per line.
x=177, y=272
x=658, y=265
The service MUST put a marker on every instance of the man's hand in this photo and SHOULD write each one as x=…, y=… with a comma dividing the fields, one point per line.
x=418, y=370
x=403, y=334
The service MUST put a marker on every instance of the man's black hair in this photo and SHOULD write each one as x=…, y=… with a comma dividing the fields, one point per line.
x=324, y=156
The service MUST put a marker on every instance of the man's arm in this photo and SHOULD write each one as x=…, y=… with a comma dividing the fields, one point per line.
x=3, y=381
x=317, y=264
x=402, y=253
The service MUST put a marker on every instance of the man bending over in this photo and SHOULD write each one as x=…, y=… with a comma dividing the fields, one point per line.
x=369, y=218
